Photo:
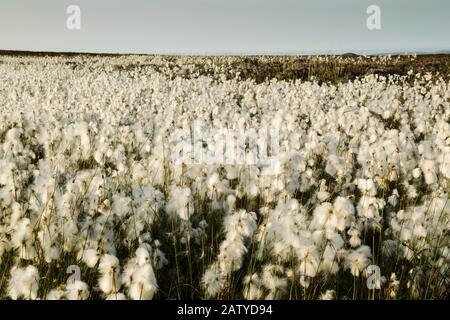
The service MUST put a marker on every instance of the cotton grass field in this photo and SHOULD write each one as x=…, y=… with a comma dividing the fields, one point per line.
x=146, y=177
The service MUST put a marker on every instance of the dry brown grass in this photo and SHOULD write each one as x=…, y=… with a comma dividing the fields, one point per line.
x=331, y=69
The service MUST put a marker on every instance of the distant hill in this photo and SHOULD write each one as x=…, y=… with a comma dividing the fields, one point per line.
x=278, y=54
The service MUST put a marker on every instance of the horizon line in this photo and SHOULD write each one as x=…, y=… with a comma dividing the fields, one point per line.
x=374, y=52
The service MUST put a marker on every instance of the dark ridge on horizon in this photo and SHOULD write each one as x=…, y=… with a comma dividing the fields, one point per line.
x=54, y=53
x=100, y=54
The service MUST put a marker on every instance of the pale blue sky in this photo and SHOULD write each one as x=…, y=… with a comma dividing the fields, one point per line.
x=225, y=26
